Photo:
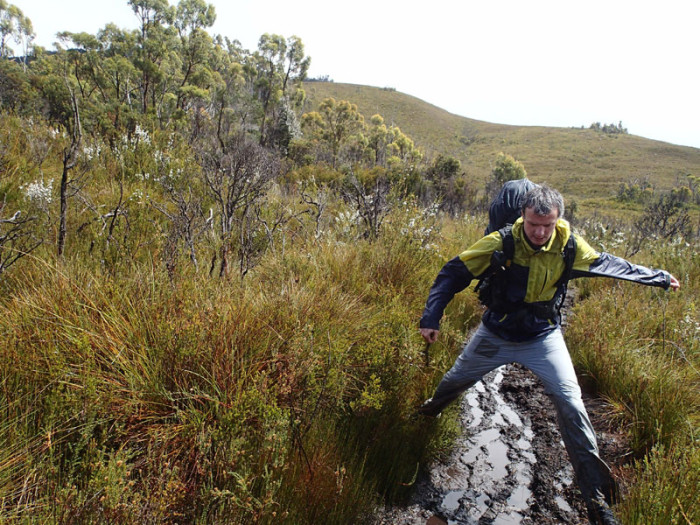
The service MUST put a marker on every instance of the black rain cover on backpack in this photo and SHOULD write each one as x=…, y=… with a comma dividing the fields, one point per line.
x=504, y=210
x=506, y=206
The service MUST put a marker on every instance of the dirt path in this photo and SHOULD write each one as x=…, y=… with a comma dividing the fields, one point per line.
x=509, y=466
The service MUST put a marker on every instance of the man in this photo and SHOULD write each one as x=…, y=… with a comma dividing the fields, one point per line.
x=523, y=327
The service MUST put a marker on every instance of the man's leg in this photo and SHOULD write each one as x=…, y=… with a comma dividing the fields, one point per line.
x=480, y=355
x=549, y=359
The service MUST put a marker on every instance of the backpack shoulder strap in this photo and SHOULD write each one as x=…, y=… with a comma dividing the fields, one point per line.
x=508, y=241
x=569, y=255
x=500, y=258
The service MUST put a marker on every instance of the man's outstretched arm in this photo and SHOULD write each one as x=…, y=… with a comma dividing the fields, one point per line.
x=590, y=263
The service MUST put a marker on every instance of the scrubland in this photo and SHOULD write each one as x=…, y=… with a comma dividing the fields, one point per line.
x=136, y=393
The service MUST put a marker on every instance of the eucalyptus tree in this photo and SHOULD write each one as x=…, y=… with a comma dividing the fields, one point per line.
x=156, y=46
x=232, y=105
x=119, y=73
x=24, y=35
x=333, y=125
x=16, y=92
x=7, y=28
x=102, y=74
x=83, y=58
x=49, y=73
x=194, y=14
x=296, y=64
x=506, y=168
x=280, y=66
x=16, y=26
x=446, y=183
x=80, y=58
x=378, y=138
x=402, y=149
x=192, y=18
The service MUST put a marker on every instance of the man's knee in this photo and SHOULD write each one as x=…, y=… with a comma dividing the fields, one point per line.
x=567, y=392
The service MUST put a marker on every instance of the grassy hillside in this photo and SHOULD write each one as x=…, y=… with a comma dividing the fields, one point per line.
x=585, y=165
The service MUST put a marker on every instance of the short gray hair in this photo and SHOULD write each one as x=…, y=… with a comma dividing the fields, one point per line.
x=543, y=200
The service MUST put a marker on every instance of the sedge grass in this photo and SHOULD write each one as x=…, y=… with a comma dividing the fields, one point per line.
x=639, y=348
x=142, y=396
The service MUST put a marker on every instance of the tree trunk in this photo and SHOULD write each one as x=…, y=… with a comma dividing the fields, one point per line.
x=70, y=159
x=64, y=208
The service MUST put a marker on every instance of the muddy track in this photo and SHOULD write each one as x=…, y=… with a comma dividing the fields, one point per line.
x=509, y=465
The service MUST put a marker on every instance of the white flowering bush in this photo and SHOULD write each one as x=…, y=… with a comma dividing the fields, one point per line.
x=689, y=326
x=421, y=224
x=608, y=237
x=347, y=221
x=92, y=151
x=139, y=197
x=136, y=154
x=39, y=193
x=160, y=158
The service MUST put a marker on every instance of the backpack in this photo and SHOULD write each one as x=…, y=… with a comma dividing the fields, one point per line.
x=491, y=288
x=505, y=208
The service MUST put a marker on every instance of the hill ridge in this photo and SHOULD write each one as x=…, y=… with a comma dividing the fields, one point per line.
x=585, y=164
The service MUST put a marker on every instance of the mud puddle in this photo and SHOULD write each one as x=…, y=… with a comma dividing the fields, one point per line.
x=508, y=467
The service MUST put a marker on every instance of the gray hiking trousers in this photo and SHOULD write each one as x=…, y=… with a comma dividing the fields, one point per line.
x=548, y=358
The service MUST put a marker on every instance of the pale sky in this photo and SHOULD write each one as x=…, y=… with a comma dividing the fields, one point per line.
x=559, y=63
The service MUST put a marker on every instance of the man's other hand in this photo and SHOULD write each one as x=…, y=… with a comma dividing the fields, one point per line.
x=429, y=334
x=675, y=285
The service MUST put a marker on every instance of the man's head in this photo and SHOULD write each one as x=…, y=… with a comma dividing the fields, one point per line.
x=541, y=207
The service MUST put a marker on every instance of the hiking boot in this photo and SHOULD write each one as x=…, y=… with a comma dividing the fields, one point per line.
x=428, y=409
x=600, y=513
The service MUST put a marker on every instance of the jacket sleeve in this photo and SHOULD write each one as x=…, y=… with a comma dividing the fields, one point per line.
x=452, y=279
x=590, y=263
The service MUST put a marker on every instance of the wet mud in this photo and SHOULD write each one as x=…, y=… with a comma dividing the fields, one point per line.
x=509, y=465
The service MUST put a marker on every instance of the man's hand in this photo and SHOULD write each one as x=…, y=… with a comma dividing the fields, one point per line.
x=675, y=285
x=429, y=334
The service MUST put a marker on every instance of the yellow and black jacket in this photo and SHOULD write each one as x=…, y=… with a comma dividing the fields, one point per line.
x=532, y=278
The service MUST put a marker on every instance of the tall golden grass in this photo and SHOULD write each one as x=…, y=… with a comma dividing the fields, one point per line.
x=147, y=397
x=640, y=349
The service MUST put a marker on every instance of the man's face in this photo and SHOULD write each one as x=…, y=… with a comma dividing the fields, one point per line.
x=539, y=228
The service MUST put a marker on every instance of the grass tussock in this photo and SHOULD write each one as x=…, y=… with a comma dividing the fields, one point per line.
x=147, y=398
x=666, y=487
x=640, y=349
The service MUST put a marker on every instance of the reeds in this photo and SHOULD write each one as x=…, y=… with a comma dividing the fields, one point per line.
x=140, y=396
x=640, y=349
